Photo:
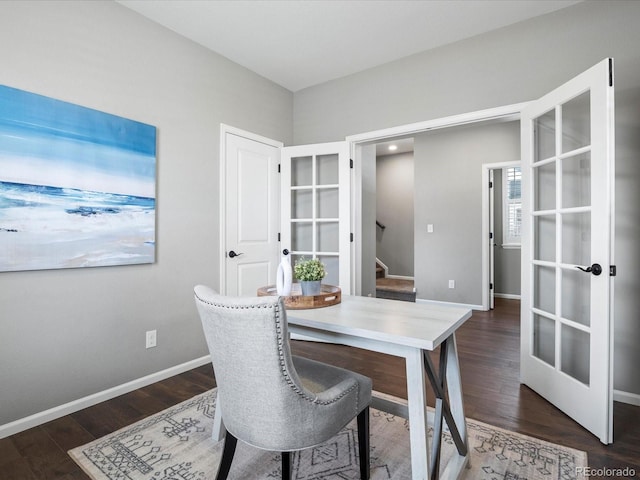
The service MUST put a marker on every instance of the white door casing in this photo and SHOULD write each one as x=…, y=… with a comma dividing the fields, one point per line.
x=316, y=208
x=568, y=223
x=250, y=207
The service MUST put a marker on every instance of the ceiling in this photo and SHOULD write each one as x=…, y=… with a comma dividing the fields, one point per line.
x=401, y=145
x=301, y=43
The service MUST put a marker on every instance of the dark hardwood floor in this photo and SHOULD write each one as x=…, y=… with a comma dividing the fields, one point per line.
x=488, y=346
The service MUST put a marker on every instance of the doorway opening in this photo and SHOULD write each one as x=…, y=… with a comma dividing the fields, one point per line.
x=394, y=225
x=501, y=259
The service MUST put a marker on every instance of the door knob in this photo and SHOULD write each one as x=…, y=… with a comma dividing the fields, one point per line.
x=233, y=254
x=285, y=252
x=595, y=269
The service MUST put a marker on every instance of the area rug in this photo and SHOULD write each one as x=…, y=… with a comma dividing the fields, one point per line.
x=176, y=444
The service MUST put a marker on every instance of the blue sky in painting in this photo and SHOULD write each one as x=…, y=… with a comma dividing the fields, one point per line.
x=44, y=141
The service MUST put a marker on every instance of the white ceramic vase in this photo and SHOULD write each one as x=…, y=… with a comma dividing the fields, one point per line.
x=284, y=277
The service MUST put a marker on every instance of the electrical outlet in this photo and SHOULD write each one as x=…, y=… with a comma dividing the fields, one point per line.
x=452, y=284
x=151, y=339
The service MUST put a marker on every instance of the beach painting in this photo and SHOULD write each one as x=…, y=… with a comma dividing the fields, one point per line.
x=77, y=186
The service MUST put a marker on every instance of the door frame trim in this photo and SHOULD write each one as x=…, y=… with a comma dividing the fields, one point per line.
x=222, y=190
x=504, y=113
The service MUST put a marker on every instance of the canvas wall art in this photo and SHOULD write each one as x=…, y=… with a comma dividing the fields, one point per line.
x=77, y=186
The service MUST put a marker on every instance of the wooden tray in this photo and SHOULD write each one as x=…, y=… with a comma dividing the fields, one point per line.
x=329, y=295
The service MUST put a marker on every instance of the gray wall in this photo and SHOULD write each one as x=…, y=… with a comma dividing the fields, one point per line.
x=65, y=334
x=448, y=195
x=510, y=65
x=368, y=221
x=394, y=206
x=506, y=263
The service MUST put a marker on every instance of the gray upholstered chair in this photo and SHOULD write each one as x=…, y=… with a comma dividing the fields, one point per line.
x=269, y=398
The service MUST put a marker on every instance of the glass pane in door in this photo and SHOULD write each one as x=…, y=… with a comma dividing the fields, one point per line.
x=575, y=357
x=576, y=238
x=544, y=184
x=576, y=122
x=544, y=130
x=301, y=204
x=576, y=304
x=301, y=171
x=327, y=169
x=327, y=240
x=544, y=232
x=576, y=180
x=544, y=288
x=332, y=265
x=302, y=236
x=544, y=339
x=327, y=203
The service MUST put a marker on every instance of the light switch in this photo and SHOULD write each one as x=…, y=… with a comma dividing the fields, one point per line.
x=430, y=228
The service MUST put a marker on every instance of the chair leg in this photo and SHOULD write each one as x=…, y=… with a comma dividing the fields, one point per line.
x=230, y=443
x=363, y=443
x=286, y=465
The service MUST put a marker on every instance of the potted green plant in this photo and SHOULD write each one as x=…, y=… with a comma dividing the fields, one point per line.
x=310, y=273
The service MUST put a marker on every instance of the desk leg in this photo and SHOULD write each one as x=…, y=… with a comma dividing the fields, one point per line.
x=454, y=389
x=219, y=431
x=449, y=408
x=417, y=403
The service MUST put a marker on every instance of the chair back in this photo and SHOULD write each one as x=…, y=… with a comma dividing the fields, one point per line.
x=258, y=386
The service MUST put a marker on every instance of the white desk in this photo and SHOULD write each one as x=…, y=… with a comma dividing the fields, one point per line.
x=407, y=330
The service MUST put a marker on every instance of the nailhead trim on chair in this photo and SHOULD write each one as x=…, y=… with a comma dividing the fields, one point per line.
x=290, y=382
x=285, y=372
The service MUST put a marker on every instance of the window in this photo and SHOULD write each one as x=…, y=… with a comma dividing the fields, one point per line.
x=512, y=205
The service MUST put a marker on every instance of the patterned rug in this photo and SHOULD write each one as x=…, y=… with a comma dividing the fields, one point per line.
x=176, y=444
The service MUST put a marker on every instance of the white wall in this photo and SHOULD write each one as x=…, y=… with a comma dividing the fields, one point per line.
x=511, y=65
x=65, y=334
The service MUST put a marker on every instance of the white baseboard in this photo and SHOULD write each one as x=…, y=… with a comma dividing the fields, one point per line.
x=36, y=419
x=626, y=397
x=449, y=304
x=509, y=296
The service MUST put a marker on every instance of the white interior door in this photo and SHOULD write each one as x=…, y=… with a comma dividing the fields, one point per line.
x=251, y=213
x=567, y=250
x=315, y=211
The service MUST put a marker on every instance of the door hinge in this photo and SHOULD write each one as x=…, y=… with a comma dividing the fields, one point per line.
x=351, y=237
x=611, y=72
x=278, y=236
x=490, y=184
x=278, y=168
x=490, y=234
x=491, y=286
x=613, y=271
x=351, y=163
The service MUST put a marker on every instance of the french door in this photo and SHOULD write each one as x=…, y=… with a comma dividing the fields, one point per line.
x=315, y=207
x=567, y=248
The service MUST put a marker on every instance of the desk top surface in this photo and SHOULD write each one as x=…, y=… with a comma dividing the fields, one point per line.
x=390, y=321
